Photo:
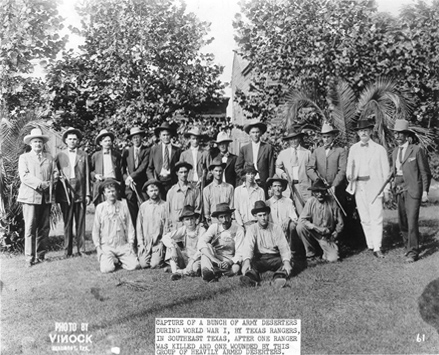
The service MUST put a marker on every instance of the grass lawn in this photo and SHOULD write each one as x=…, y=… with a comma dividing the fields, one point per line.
x=359, y=305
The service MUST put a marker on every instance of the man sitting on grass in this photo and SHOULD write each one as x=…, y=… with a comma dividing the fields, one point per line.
x=113, y=231
x=265, y=249
x=220, y=245
x=320, y=223
x=182, y=253
x=151, y=223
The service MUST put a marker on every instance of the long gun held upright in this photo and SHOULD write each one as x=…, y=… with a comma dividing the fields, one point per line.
x=332, y=193
x=294, y=191
x=383, y=187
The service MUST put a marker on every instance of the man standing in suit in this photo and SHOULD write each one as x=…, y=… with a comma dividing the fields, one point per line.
x=105, y=164
x=73, y=191
x=412, y=181
x=256, y=153
x=36, y=169
x=291, y=165
x=329, y=163
x=367, y=171
x=196, y=157
x=163, y=157
x=230, y=175
x=134, y=163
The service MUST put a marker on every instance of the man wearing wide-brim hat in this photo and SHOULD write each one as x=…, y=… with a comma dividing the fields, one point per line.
x=257, y=153
x=367, y=170
x=284, y=214
x=320, y=224
x=328, y=162
x=246, y=195
x=163, y=157
x=221, y=245
x=105, y=163
x=181, y=194
x=37, y=173
x=113, y=231
x=151, y=226
x=411, y=185
x=265, y=249
x=182, y=252
x=217, y=191
x=135, y=160
x=73, y=191
x=291, y=165
x=195, y=156
x=223, y=141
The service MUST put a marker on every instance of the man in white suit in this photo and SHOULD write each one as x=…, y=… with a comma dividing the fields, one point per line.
x=367, y=171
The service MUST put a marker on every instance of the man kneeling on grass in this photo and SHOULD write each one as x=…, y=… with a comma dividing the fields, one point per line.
x=320, y=223
x=220, y=245
x=182, y=252
x=113, y=231
x=265, y=249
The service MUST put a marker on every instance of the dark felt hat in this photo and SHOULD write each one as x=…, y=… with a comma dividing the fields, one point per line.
x=262, y=126
x=151, y=182
x=222, y=208
x=71, y=130
x=108, y=182
x=182, y=164
x=278, y=179
x=217, y=162
x=260, y=206
x=364, y=123
x=318, y=185
x=165, y=126
x=293, y=132
x=188, y=211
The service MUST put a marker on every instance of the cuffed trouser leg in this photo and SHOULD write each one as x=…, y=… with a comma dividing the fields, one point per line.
x=306, y=235
x=371, y=215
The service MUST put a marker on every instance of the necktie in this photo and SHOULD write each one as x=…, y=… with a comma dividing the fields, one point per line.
x=136, y=158
x=295, y=159
x=364, y=144
x=39, y=156
x=71, y=150
x=166, y=160
x=400, y=155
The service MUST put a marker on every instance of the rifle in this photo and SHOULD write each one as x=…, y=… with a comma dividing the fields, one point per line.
x=51, y=182
x=63, y=182
x=331, y=193
x=350, y=189
x=140, y=199
x=202, y=185
x=294, y=191
x=383, y=187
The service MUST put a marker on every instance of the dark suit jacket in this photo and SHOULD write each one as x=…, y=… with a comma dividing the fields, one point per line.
x=201, y=165
x=331, y=167
x=81, y=185
x=230, y=171
x=138, y=174
x=97, y=167
x=156, y=162
x=415, y=170
x=265, y=160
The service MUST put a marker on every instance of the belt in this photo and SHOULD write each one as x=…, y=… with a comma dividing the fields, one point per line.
x=363, y=178
x=294, y=182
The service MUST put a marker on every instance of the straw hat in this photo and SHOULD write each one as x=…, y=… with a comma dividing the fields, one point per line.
x=223, y=137
x=35, y=133
x=104, y=133
x=136, y=130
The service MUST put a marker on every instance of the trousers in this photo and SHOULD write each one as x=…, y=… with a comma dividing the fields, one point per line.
x=310, y=237
x=73, y=212
x=113, y=255
x=36, y=230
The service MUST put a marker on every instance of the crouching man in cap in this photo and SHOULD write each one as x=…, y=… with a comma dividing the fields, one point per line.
x=36, y=169
x=182, y=253
x=151, y=224
x=113, y=231
x=320, y=223
x=265, y=249
x=220, y=245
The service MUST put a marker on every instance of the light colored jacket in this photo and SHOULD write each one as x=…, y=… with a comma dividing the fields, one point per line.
x=32, y=173
x=377, y=166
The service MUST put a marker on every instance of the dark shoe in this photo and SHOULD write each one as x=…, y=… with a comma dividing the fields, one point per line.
x=247, y=281
x=176, y=276
x=208, y=275
x=411, y=258
x=378, y=254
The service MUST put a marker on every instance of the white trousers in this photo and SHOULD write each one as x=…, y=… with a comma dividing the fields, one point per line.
x=371, y=215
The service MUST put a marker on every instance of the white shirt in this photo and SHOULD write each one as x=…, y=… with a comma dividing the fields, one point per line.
x=295, y=168
x=363, y=164
x=164, y=171
x=108, y=166
x=194, y=159
x=398, y=162
x=136, y=155
x=72, y=158
x=255, y=149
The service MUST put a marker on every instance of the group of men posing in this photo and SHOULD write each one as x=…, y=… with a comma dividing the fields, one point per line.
x=212, y=213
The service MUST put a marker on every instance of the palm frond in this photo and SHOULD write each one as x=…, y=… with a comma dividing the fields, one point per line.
x=343, y=108
x=295, y=100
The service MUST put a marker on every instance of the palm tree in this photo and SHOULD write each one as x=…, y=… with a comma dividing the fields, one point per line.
x=343, y=108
